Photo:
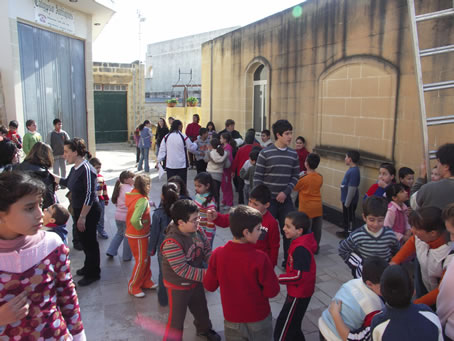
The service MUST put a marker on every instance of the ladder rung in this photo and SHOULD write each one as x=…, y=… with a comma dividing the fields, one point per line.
x=434, y=15
x=438, y=86
x=432, y=154
x=433, y=121
x=436, y=50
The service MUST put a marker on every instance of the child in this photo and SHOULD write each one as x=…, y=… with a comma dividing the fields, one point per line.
x=397, y=214
x=202, y=148
x=39, y=299
x=30, y=137
x=137, y=232
x=433, y=252
x=159, y=222
x=266, y=138
x=372, y=239
x=268, y=241
x=310, y=198
x=400, y=319
x=226, y=184
x=300, y=147
x=350, y=313
x=278, y=168
x=103, y=197
x=185, y=250
x=245, y=277
x=349, y=192
x=181, y=187
x=55, y=219
x=299, y=277
x=204, y=198
x=445, y=298
x=407, y=178
x=248, y=170
x=123, y=185
x=13, y=135
x=216, y=159
x=386, y=175
x=56, y=139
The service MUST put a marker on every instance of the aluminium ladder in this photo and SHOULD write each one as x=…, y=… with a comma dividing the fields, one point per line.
x=418, y=54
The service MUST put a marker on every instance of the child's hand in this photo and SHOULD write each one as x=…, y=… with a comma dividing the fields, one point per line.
x=335, y=307
x=14, y=310
x=382, y=184
x=106, y=202
x=212, y=215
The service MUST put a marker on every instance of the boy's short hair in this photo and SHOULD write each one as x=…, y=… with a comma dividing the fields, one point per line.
x=280, y=127
x=56, y=121
x=266, y=132
x=404, y=171
x=29, y=123
x=396, y=286
x=254, y=154
x=448, y=213
x=373, y=268
x=229, y=122
x=60, y=214
x=392, y=190
x=428, y=219
x=313, y=160
x=182, y=210
x=375, y=206
x=13, y=124
x=3, y=130
x=261, y=193
x=445, y=154
x=354, y=155
x=242, y=218
x=300, y=220
x=203, y=131
x=94, y=161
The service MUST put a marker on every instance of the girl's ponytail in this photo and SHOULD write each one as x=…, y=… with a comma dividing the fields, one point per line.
x=116, y=192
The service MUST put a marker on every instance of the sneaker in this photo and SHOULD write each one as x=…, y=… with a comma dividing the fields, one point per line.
x=151, y=287
x=87, y=281
x=103, y=235
x=140, y=294
x=210, y=335
x=109, y=255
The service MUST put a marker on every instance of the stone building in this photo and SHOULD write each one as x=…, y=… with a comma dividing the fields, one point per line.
x=119, y=99
x=342, y=71
x=46, y=62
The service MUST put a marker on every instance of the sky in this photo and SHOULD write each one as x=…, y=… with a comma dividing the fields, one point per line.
x=164, y=20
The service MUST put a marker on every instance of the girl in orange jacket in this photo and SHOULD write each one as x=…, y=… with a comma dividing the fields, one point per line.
x=137, y=232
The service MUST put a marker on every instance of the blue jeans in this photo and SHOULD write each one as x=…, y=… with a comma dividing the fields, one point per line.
x=116, y=241
x=100, y=226
x=279, y=211
x=253, y=331
x=144, y=159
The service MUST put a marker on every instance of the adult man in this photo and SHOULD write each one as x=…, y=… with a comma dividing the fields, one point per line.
x=230, y=127
x=56, y=139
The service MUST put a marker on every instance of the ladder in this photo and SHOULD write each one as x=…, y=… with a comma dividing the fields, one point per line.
x=422, y=88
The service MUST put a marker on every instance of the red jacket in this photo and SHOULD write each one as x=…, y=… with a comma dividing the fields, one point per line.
x=302, y=155
x=300, y=283
x=269, y=240
x=242, y=155
x=246, y=279
x=192, y=131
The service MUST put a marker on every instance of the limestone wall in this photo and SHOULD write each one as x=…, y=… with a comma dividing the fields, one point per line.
x=343, y=74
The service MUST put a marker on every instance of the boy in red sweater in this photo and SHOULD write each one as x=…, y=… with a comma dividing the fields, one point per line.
x=299, y=277
x=269, y=239
x=246, y=279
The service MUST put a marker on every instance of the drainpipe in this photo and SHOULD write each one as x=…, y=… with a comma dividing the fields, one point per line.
x=211, y=83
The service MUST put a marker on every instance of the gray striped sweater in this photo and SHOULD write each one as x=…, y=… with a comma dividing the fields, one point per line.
x=366, y=245
x=278, y=169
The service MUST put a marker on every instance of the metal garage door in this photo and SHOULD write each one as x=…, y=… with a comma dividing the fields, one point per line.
x=111, y=116
x=53, y=80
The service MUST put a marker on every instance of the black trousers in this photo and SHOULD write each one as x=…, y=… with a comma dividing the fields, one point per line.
x=137, y=154
x=217, y=193
x=181, y=172
x=89, y=242
x=349, y=216
x=201, y=166
x=279, y=211
x=239, y=189
x=288, y=323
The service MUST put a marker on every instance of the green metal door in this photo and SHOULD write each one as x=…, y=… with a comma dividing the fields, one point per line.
x=111, y=123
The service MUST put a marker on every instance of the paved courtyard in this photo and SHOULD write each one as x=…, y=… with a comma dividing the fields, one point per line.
x=109, y=313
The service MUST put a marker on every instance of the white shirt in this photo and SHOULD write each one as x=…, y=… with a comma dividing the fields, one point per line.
x=172, y=149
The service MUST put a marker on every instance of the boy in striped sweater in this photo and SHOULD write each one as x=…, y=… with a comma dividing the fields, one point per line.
x=372, y=239
x=185, y=251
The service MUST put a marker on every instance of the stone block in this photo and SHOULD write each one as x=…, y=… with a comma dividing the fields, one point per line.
x=382, y=107
x=364, y=87
x=353, y=106
x=338, y=88
x=366, y=127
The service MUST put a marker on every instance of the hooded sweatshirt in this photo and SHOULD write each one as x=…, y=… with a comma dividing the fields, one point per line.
x=300, y=268
x=138, y=216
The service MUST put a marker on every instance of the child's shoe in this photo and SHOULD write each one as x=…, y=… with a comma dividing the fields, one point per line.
x=102, y=234
x=140, y=294
x=150, y=285
x=210, y=335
